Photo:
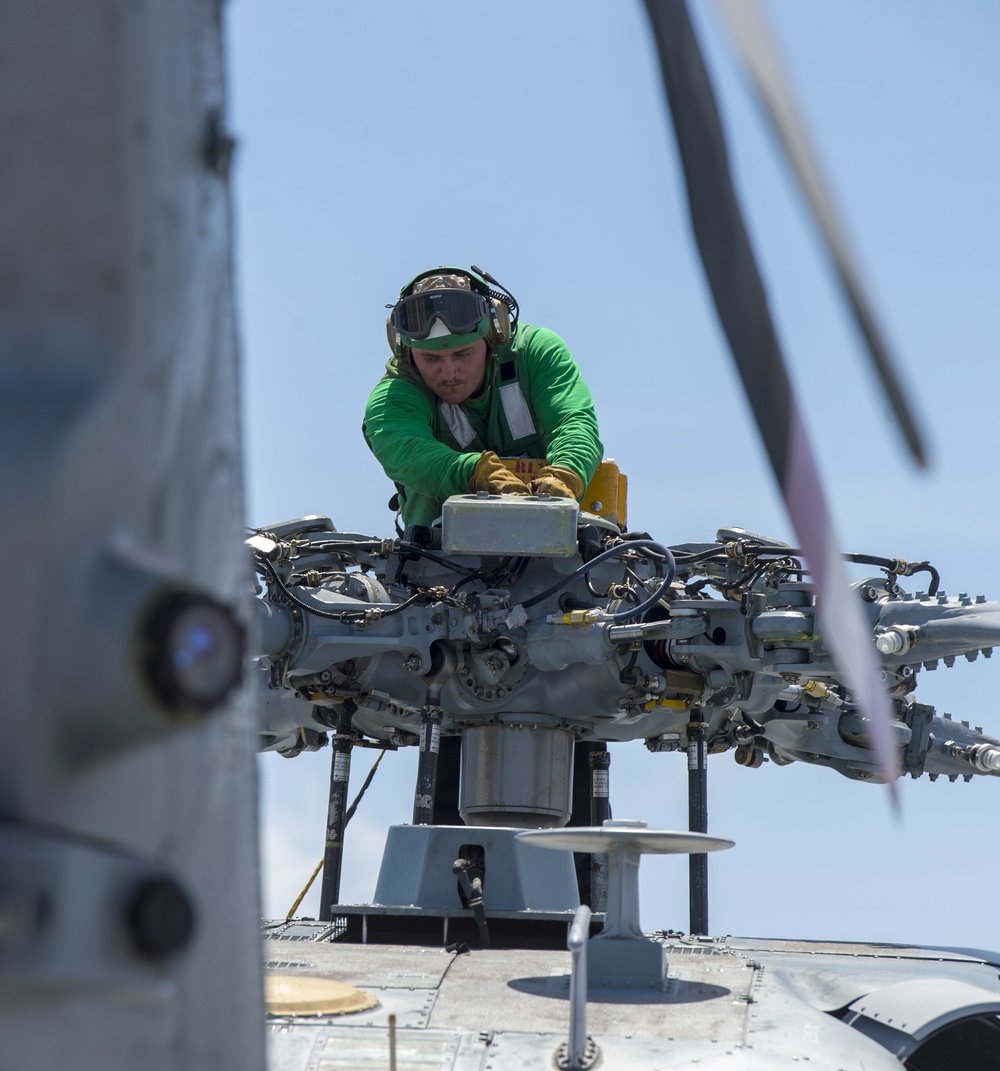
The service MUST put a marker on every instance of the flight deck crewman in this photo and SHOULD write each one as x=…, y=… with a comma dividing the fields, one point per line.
x=467, y=384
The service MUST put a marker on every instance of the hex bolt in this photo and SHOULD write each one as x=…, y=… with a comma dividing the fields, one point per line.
x=412, y=663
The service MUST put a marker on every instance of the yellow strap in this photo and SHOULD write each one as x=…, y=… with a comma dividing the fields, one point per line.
x=329, y=844
x=302, y=895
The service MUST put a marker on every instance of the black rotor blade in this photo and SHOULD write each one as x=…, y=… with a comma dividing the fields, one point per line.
x=741, y=303
x=759, y=53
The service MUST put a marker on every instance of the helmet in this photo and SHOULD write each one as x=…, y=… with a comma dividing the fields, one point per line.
x=447, y=307
x=439, y=310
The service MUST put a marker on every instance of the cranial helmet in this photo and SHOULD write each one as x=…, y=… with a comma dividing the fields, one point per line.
x=446, y=307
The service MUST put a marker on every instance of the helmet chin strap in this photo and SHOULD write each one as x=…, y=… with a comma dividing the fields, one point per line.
x=491, y=369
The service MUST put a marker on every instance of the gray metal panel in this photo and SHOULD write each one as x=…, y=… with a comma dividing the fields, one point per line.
x=915, y=1009
x=334, y=1048
x=832, y=975
x=517, y=877
x=528, y=991
x=721, y=1006
x=511, y=1051
x=371, y=966
x=784, y=1026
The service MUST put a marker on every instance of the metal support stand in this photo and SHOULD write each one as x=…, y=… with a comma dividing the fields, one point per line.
x=620, y=955
x=600, y=812
x=427, y=764
x=697, y=752
x=336, y=816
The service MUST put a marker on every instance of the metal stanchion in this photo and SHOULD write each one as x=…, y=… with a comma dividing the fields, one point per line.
x=443, y=662
x=430, y=747
x=336, y=816
x=600, y=812
x=697, y=752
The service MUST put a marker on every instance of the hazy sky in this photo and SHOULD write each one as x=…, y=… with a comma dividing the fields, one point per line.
x=532, y=138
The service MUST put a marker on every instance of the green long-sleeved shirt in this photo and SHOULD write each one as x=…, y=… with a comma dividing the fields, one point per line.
x=431, y=447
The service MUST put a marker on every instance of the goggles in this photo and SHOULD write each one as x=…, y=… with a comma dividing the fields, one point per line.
x=461, y=311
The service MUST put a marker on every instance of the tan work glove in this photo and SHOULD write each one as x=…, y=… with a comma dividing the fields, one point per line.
x=491, y=475
x=558, y=482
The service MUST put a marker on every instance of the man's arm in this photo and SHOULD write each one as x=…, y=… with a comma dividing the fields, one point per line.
x=563, y=405
x=398, y=428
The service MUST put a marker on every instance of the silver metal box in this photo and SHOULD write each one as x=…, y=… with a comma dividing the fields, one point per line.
x=509, y=524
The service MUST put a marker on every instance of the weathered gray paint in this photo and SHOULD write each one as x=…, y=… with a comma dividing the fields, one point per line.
x=120, y=469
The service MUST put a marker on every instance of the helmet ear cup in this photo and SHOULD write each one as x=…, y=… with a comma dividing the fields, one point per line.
x=394, y=341
x=501, y=321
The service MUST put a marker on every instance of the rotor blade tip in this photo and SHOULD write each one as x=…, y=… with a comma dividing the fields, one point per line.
x=895, y=803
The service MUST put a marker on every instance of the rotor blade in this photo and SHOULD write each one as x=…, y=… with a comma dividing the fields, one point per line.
x=758, y=51
x=743, y=310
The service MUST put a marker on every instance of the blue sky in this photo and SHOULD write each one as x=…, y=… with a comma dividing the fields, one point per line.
x=376, y=140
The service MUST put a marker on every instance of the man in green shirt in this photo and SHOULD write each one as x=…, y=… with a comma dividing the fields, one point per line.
x=467, y=384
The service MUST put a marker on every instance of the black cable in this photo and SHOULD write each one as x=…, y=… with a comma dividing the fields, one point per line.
x=415, y=548
x=351, y=615
x=720, y=554
x=336, y=615
x=691, y=558
x=895, y=566
x=502, y=570
x=636, y=611
x=614, y=552
x=364, y=788
x=899, y=567
x=504, y=295
x=748, y=579
x=599, y=594
x=459, y=948
x=611, y=552
x=326, y=547
x=520, y=568
x=467, y=580
x=343, y=538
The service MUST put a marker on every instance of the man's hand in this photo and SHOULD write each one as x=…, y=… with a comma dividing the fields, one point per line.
x=491, y=475
x=558, y=482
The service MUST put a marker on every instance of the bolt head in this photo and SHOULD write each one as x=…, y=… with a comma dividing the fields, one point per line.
x=159, y=917
x=191, y=652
